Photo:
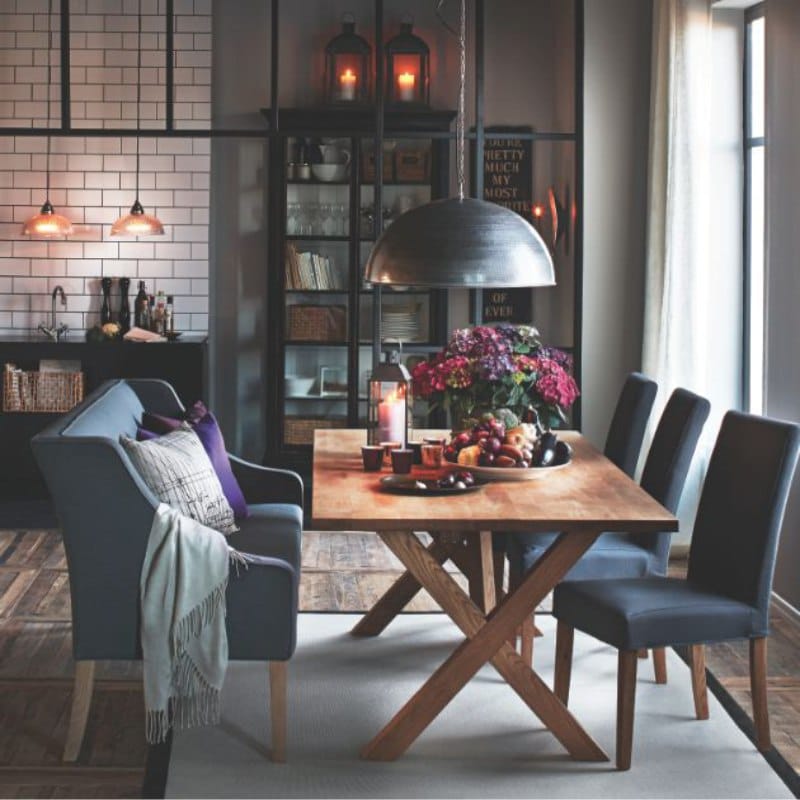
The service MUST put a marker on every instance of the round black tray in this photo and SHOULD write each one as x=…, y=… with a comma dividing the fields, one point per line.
x=405, y=484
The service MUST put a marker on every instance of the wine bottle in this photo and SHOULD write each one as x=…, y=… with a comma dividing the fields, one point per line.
x=140, y=308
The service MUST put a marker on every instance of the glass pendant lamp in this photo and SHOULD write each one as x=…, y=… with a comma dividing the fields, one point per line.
x=47, y=224
x=136, y=222
x=461, y=242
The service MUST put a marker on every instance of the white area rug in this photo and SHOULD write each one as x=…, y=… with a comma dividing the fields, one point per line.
x=486, y=744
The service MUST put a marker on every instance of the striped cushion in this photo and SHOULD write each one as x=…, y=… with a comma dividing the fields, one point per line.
x=178, y=470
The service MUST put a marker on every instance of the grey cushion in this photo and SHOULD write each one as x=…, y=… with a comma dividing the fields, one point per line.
x=178, y=470
x=613, y=555
x=634, y=613
x=271, y=529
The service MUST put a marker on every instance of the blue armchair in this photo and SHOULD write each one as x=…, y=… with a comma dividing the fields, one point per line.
x=106, y=511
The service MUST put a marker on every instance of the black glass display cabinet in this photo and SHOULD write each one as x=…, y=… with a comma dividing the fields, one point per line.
x=328, y=325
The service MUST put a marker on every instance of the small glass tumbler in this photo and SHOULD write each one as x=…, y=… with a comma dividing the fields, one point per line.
x=417, y=448
x=372, y=456
x=387, y=451
x=432, y=455
x=402, y=461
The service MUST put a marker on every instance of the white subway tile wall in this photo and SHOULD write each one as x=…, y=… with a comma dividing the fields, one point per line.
x=93, y=179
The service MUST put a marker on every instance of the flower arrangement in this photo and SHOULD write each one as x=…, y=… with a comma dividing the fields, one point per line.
x=502, y=369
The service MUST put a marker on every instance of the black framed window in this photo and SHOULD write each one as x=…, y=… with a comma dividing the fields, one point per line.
x=754, y=207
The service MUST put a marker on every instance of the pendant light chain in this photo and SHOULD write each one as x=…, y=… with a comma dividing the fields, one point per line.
x=462, y=93
x=49, y=92
x=138, y=92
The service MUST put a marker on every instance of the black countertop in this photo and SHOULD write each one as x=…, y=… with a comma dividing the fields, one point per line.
x=34, y=337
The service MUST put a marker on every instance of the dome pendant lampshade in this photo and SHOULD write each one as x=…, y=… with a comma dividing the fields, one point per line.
x=47, y=224
x=137, y=223
x=461, y=242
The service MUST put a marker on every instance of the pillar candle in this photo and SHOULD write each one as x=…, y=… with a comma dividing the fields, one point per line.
x=405, y=86
x=347, y=85
x=392, y=419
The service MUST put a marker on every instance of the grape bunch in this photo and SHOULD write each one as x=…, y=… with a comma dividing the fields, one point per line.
x=490, y=444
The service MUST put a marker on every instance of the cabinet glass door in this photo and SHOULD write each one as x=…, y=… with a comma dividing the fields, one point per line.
x=317, y=284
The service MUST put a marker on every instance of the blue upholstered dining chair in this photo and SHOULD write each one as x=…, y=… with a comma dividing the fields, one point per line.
x=623, y=444
x=618, y=555
x=726, y=593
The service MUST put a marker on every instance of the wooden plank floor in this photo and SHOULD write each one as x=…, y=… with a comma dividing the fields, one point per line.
x=340, y=573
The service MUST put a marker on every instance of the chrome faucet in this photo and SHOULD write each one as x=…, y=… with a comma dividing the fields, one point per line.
x=54, y=332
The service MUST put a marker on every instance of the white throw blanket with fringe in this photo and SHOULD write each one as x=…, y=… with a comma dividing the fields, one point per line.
x=184, y=642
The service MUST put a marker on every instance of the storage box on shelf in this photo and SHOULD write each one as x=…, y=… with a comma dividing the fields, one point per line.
x=316, y=323
x=41, y=392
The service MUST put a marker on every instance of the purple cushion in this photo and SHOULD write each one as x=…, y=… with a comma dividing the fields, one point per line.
x=206, y=427
x=144, y=435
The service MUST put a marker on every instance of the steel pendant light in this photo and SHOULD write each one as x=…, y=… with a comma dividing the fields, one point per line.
x=461, y=242
x=137, y=223
x=47, y=224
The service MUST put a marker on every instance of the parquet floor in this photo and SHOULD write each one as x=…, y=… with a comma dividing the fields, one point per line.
x=341, y=573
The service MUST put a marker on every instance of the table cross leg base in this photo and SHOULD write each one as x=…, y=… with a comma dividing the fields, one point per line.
x=468, y=555
x=486, y=642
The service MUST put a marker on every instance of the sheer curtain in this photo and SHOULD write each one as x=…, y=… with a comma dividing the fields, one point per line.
x=692, y=304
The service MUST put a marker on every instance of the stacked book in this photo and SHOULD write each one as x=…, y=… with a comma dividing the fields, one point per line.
x=309, y=271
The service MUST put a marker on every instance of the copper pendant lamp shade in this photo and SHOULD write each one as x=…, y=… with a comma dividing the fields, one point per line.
x=47, y=224
x=461, y=242
x=137, y=223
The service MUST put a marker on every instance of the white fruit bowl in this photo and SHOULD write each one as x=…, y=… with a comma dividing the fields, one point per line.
x=511, y=474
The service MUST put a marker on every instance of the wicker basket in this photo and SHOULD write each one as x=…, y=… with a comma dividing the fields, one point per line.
x=300, y=430
x=412, y=166
x=41, y=392
x=313, y=323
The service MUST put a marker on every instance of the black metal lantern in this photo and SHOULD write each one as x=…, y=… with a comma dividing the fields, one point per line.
x=388, y=409
x=408, y=65
x=348, y=66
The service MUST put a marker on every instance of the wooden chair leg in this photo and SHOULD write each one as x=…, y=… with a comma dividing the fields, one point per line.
x=626, y=700
x=565, y=635
x=697, y=665
x=277, y=705
x=642, y=653
x=758, y=688
x=526, y=641
x=660, y=664
x=81, y=702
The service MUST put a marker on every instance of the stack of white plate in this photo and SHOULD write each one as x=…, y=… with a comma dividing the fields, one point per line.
x=401, y=323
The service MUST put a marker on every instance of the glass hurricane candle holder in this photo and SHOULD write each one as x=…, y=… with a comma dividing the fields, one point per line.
x=388, y=398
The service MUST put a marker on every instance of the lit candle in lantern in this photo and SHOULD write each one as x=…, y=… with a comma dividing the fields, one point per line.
x=347, y=85
x=392, y=418
x=405, y=86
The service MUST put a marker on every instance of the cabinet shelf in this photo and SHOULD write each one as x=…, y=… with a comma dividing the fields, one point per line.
x=317, y=291
x=312, y=343
x=320, y=238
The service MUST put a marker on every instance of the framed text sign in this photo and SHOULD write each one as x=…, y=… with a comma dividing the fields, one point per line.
x=507, y=181
x=508, y=171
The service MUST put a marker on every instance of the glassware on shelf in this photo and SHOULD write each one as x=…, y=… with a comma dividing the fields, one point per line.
x=327, y=219
x=293, y=219
x=342, y=219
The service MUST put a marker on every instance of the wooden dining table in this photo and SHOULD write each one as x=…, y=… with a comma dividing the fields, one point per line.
x=581, y=501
